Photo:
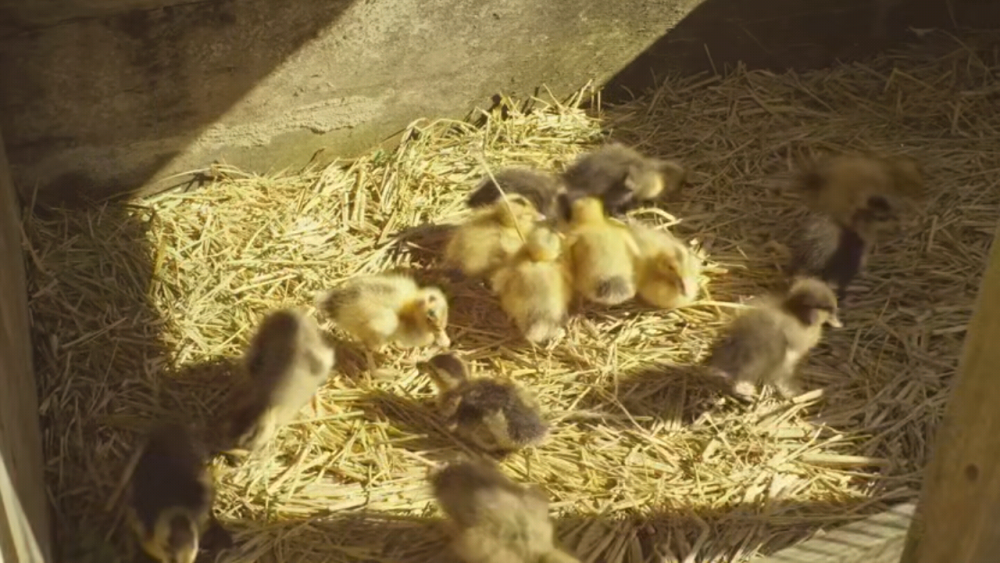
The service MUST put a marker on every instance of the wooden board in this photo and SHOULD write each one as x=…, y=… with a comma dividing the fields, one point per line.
x=20, y=438
x=960, y=503
x=876, y=539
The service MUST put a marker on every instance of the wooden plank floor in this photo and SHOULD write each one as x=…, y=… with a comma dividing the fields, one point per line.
x=876, y=539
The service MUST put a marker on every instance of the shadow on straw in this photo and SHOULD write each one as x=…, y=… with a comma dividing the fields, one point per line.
x=660, y=535
x=672, y=394
x=424, y=244
x=197, y=391
x=417, y=423
x=367, y=537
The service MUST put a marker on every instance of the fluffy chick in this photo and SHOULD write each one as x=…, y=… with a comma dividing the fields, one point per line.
x=844, y=185
x=388, y=309
x=766, y=343
x=854, y=200
x=495, y=414
x=170, y=497
x=285, y=363
x=494, y=520
x=602, y=254
x=535, y=288
x=667, y=270
x=827, y=250
x=491, y=236
x=621, y=177
x=540, y=188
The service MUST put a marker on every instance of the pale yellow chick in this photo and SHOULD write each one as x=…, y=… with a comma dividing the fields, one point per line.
x=491, y=236
x=535, y=287
x=384, y=309
x=667, y=270
x=602, y=254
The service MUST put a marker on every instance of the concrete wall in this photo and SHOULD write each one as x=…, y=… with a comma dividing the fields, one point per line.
x=100, y=97
x=103, y=96
x=20, y=438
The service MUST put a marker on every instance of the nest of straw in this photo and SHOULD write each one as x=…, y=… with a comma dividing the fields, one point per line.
x=141, y=309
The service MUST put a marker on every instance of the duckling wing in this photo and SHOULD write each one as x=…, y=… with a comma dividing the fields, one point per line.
x=753, y=346
x=539, y=188
x=480, y=398
x=814, y=243
x=597, y=173
x=524, y=423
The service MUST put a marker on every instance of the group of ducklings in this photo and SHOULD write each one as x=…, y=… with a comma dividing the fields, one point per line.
x=537, y=239
x=171, y=492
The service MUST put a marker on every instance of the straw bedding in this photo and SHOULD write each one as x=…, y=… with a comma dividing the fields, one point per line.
x=140, y=310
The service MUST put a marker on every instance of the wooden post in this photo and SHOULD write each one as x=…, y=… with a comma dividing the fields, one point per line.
x=20, y=438
x=959, y=510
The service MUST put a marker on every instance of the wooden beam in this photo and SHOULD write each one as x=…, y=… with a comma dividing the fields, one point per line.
x=876, y=539
x=959, y=509
x=20, y=438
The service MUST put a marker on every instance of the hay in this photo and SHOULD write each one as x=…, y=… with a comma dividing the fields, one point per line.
x=139, y=311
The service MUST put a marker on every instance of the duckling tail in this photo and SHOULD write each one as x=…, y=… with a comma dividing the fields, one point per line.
x=543, y=330
x=613, y=290
x=330, y=302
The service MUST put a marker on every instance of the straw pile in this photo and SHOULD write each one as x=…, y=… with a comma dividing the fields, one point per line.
x=140, y=310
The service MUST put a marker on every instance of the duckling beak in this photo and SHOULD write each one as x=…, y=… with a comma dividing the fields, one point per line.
x=834, y=321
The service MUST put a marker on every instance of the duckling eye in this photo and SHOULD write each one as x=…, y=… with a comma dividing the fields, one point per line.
x=880, y=207
x=878, y=203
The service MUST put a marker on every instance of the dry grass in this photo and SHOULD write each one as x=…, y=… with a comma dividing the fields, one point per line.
x=138, y=311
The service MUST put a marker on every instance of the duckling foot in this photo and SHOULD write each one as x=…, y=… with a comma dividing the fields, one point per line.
x=744, y=391
x=788, y=390
x=370, y=361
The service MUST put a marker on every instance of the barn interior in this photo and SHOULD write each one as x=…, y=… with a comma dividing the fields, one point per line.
x=172, y=171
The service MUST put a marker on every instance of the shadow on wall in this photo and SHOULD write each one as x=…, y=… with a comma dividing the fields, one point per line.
x=177, y=56
x=788, y=34
x=175, y=68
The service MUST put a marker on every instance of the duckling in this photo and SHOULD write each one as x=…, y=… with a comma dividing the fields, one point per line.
x=535, y=288
x=286, y=362
x=170, y=497
x=540, y=188
x=766, y=343
x=602, y=254
x=388, y=309
x=830, y=251
x=853, y=201
x=495, y=414
x=622, y=176
x=493, y=519
x=667, y=270
x=491, y=236
x=842, y=185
